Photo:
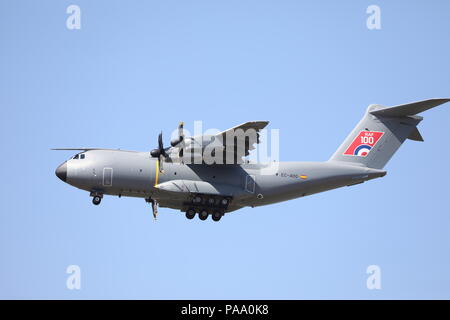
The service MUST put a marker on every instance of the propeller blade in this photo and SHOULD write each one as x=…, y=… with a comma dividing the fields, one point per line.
x=161, y=161
x=160, y=142
x=178, y=140
x=161, y=146
x=180, y=131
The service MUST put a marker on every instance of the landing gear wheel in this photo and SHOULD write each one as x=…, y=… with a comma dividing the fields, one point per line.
x=190, y=213
x=216, y=216
x=96, y=200
x=203, y=215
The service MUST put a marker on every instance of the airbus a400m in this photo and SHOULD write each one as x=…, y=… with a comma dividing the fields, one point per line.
x=181, y=177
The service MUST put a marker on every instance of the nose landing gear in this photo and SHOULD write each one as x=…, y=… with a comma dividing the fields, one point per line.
x=97, y=198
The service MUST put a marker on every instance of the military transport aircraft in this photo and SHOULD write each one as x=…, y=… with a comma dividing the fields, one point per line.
x=181, y=177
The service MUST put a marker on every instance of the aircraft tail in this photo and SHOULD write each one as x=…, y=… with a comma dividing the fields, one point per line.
x=381, y=131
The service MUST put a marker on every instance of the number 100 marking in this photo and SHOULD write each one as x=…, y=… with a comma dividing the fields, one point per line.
x=367, y=140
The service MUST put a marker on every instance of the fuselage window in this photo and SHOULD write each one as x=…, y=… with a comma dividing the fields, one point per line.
x=82, y=156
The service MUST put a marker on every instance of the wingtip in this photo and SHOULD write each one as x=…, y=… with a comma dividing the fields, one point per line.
x=436, y=101
x=444, y=100
x=263, y=122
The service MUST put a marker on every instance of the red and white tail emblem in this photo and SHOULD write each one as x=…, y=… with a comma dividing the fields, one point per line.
x=363, y=143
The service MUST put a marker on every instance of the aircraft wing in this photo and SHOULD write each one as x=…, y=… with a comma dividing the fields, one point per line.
x=240, y=140
x=83, y=149
x=234, y=144
x=256, y=125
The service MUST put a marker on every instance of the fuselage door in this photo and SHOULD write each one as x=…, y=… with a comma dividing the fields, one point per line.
x=107, y=177
x=250, y=184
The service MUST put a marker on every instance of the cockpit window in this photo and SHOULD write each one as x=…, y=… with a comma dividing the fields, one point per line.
x=82, y=156
x=76, y=156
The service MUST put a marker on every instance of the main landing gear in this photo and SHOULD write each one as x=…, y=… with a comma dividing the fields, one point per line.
x=216, y=215
x=204, y=205
x=203, y=214
x=190, y=213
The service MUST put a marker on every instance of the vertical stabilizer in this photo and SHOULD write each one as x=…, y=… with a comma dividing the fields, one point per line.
x=381, y=132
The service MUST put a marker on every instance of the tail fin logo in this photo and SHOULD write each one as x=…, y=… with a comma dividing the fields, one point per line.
x=363, y=143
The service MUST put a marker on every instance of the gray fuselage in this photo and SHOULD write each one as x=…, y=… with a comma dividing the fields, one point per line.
x=136, y=174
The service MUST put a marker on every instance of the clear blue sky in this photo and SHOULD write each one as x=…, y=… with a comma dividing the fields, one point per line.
x=138, y=67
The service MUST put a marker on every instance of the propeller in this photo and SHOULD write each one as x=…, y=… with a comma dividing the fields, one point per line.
x=180, y=137
x=160, y=152
x=179, y=141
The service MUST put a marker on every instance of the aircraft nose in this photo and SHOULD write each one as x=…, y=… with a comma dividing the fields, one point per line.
x=61, y=172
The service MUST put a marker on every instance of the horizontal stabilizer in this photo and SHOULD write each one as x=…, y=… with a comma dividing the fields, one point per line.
x=409, y=109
